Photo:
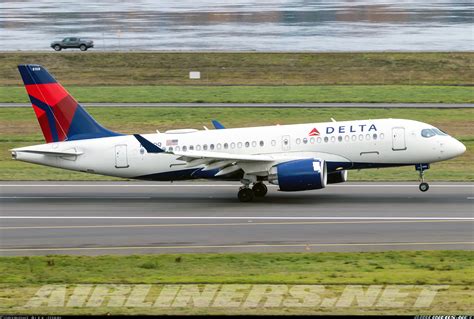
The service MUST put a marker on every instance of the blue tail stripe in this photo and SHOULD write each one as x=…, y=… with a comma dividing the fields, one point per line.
x=49, y=113
x=35, y=74
x=83, y=126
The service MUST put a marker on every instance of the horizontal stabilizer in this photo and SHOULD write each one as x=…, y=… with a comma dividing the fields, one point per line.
x=71, y=152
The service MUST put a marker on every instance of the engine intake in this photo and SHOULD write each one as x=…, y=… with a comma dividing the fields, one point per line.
x=299, y=175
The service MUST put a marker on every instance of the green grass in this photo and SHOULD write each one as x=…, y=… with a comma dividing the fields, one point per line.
x=245, y=68
x=22, y=276
x=394, y=267
x=19, y=127
x=260, y=94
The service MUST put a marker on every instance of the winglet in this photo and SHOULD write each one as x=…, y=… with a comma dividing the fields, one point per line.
x=149, y=146
x=218, y=125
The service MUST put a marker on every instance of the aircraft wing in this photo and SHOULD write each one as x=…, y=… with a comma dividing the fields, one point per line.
x=226, y=162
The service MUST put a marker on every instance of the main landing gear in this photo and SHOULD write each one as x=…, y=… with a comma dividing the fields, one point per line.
x=421, y=170
x=247, y=194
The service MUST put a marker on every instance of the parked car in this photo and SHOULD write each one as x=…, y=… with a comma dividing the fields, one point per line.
x=72, y=42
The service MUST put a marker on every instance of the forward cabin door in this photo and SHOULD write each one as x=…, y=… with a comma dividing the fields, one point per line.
x=121, y=160
x=398, y=139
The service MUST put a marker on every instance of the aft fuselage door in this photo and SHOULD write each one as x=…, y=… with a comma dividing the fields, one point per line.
x=121, y=160
x=398, y=139
x=285, y=143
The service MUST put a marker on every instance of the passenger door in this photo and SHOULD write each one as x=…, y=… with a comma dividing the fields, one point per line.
x=121, y=160
x=398, y=139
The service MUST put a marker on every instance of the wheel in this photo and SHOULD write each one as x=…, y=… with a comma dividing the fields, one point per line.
x=82, y=47
x=245, y=195
x=260, y=189
x=57, y=47
x=424, y=187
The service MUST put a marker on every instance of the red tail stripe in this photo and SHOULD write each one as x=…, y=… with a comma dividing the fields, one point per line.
x=64, y=112
x=49, y=93
x=44, y=124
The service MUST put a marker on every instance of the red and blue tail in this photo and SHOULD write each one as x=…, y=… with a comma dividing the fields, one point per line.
x=60, y=116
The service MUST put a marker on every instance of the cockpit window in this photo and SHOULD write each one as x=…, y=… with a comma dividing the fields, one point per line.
x=427, y=132
x=439, y=132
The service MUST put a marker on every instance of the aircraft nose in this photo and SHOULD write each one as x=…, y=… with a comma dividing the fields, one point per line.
x=457, y=148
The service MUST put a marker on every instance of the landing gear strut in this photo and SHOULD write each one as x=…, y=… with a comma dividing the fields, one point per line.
x=421, y=169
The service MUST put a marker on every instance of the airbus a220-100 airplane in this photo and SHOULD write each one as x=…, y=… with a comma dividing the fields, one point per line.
x=294, y=157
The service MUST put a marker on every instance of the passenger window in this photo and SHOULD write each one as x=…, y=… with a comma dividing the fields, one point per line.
x=204, y=147
x=333, y=139
x=382, y=136
x=191, y=147
x=374, y=136
x=274, y=142
x=247, y=144
x=232, y=145
x=427, y=132
x=305, y=140
x=339, y=138
x=326, y=139
x=177, y=148
x=261, y=143
x=185, y=148
x=198, y=147
x=170, y=149
x=239, y=145
x=319, y=140
x=311, y=140
x=367, y=137
x=219, y=146
x=361, y=137
x=254, y=144
x=354, y=137
x=211, y=146
x=226, y=146
x=347, y=138
x=298, y=141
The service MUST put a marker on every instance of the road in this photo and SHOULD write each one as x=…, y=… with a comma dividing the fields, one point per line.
x=93, y=218
x=267, y=105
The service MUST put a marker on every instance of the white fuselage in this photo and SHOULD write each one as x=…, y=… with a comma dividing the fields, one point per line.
x=343, y=145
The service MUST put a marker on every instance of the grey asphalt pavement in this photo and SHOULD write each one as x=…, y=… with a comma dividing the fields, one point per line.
x=266, y=105
x=94, y=218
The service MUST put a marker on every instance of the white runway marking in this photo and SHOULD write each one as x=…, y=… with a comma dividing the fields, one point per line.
x=235, y=246
x=219, y=185
x=248, y=223
x=242, y=217
x=74, y=197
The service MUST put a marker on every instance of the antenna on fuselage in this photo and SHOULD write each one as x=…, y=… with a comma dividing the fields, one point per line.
x=333, y=120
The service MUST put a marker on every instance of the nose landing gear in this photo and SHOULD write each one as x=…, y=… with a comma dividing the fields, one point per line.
x=421, y=170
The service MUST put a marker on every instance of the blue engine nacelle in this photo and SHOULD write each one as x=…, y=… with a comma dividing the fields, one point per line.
x=299, y=175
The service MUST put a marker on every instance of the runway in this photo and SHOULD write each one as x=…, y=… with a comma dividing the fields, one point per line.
x=268, y=105
x=96, y=218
